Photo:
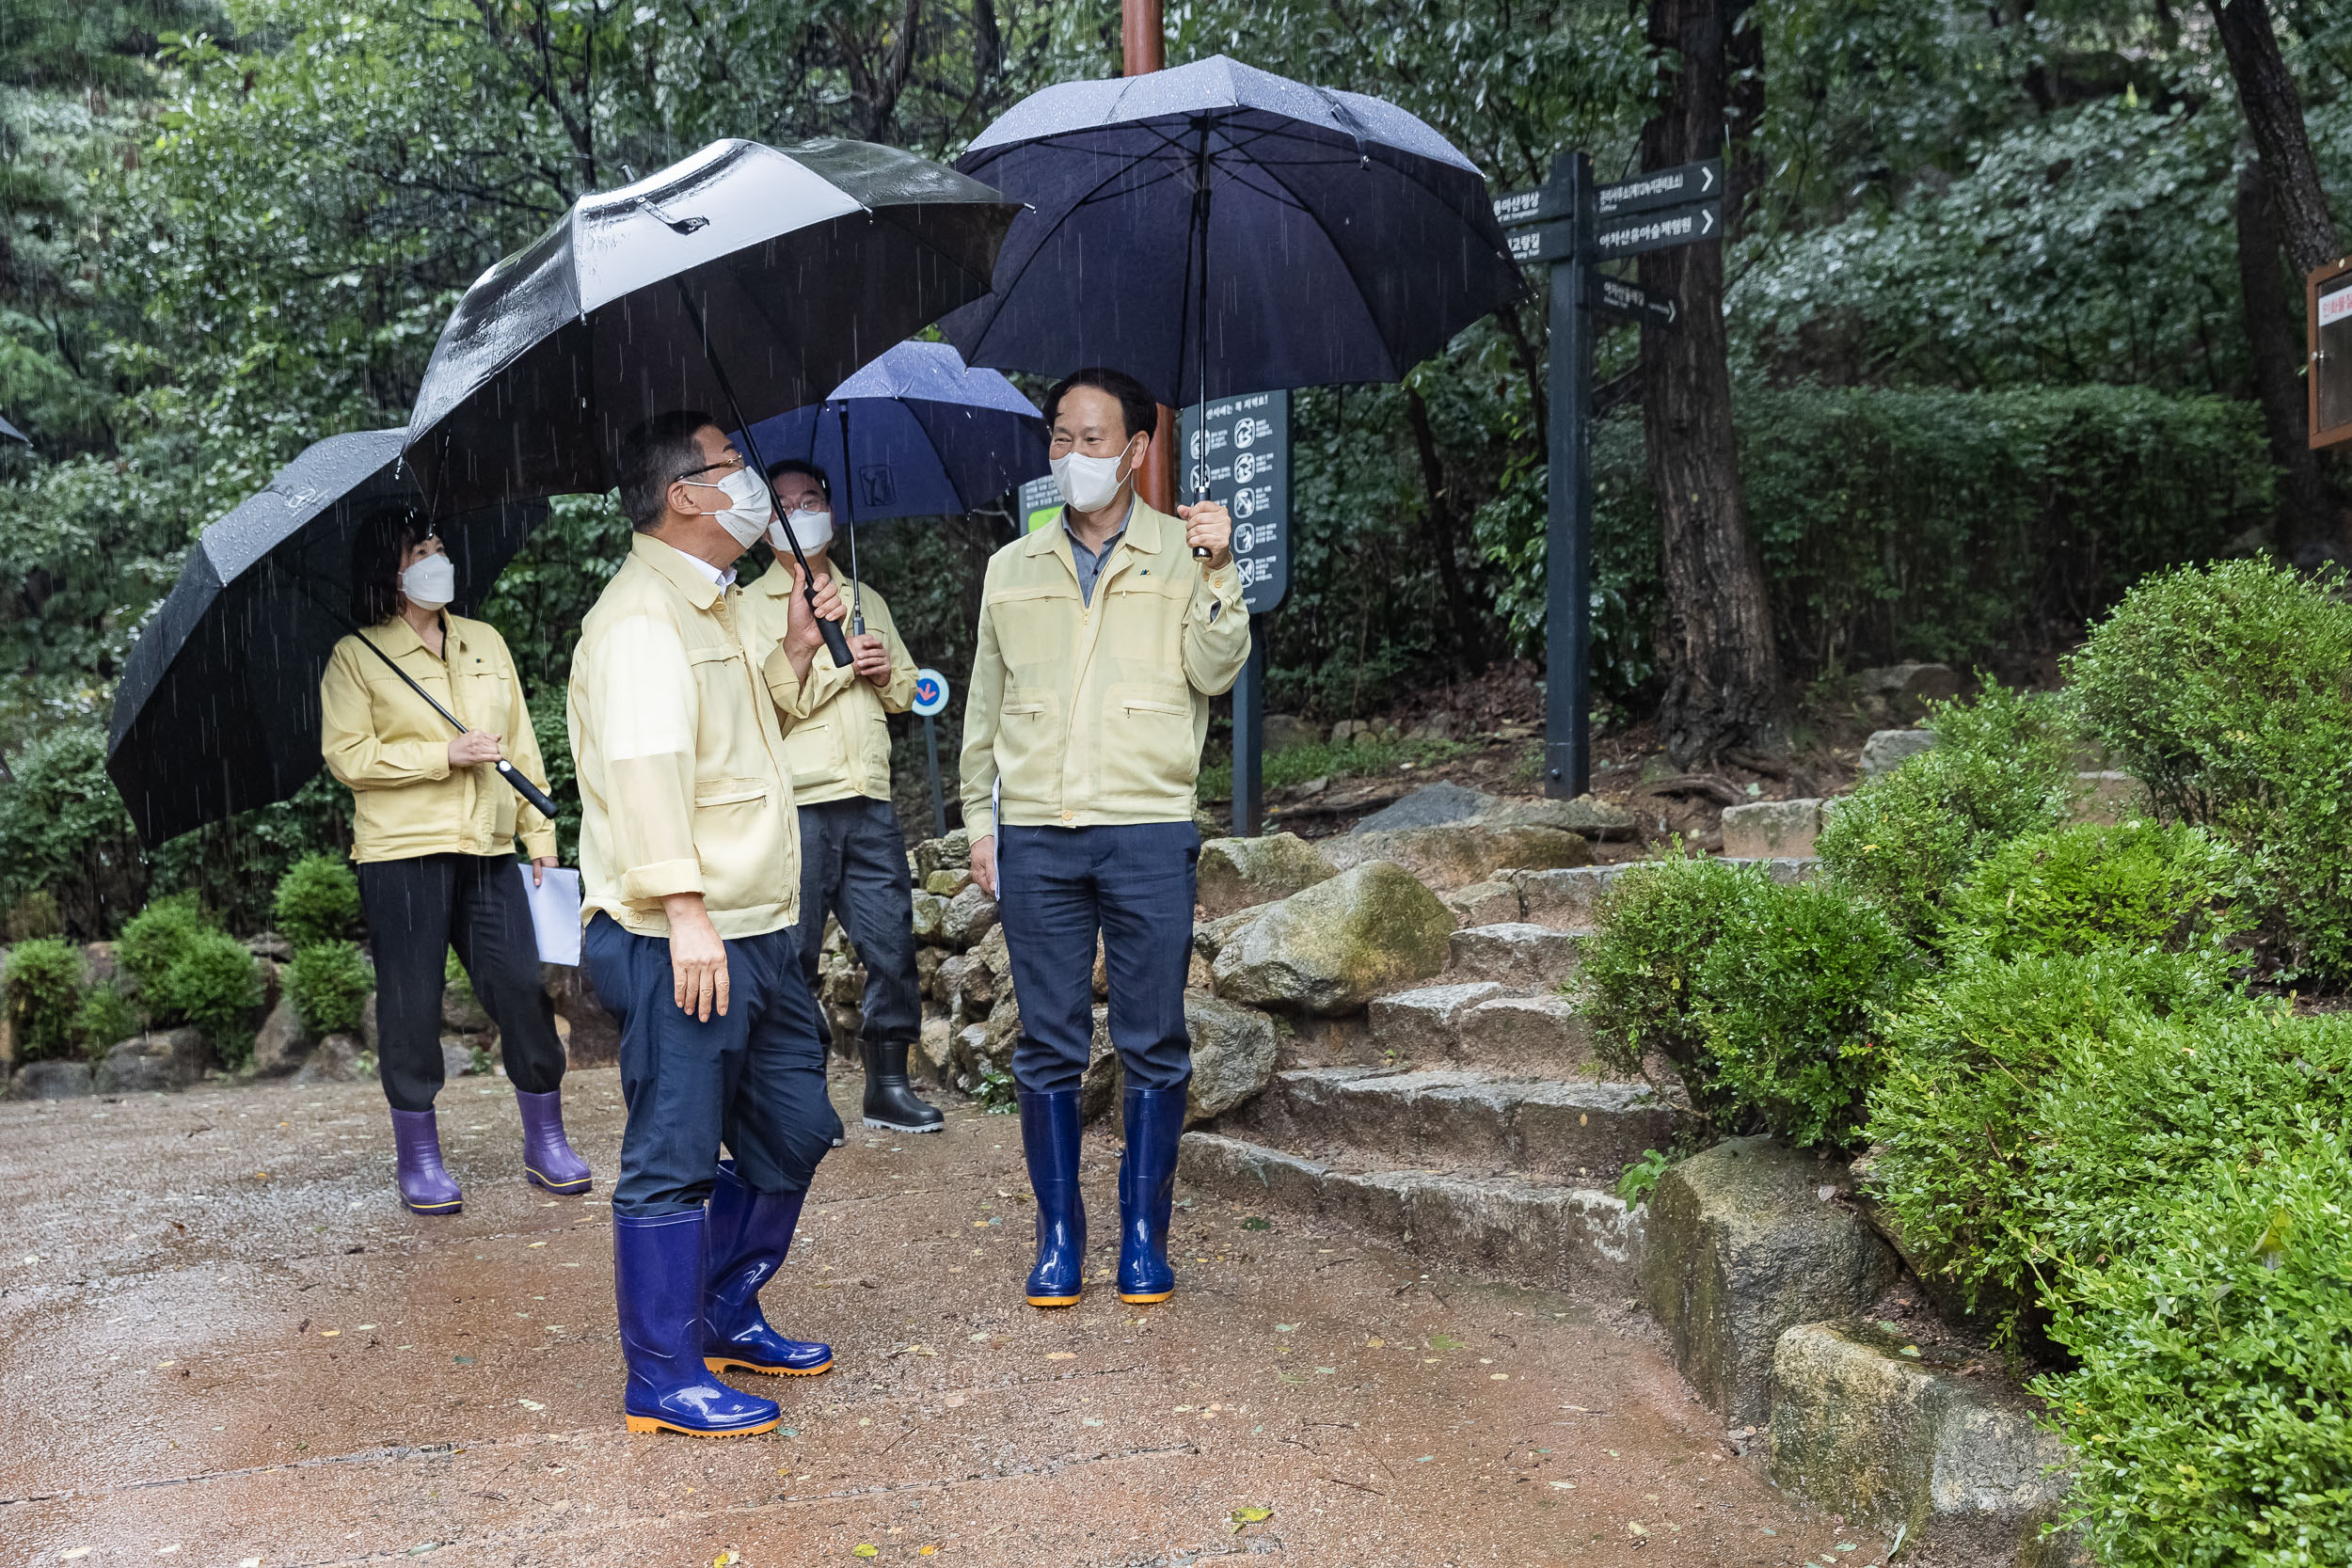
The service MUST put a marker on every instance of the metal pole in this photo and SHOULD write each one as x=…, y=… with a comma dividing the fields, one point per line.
x=1143, y=49
x=939, y=802
x=1568, y=547
x=1249, y=738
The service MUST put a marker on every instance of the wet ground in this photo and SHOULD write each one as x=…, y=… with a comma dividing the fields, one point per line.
x=222, y=1343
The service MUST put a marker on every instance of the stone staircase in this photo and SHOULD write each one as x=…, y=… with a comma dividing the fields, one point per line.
x=1463, y=1118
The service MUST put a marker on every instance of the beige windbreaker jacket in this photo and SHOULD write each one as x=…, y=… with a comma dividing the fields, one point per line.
x=1092, y=714
x=683, y=787
x=841, y=745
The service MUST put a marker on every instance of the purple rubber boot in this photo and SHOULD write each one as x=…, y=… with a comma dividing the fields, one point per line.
x=547, y=1157
x=425, y=1186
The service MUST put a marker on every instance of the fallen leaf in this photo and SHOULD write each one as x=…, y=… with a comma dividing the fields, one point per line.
x=1252, y=1515
x=927, y=1551
x=1635, y=1529
x=865, y=1548
x=531, y=1404
x=71, y=1553
x=330, y=1333
x=726, y=1558
x=1061, y=1355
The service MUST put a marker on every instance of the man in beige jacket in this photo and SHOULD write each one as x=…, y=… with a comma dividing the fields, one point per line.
x=853, y=859
x=689, y=872
x=1101, y=642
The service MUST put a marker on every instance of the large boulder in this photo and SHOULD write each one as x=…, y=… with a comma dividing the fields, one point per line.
x=1887, y=750
x=1745, y=1241
x=155, y=1063
x=278, y=1044
x=951, y=853
x=1232, y=1059
x=1337, y=945
x=968, y=916
x=1771, y=830
x=1460, y=853
x=1444, y=804
x=51, y=1081
x=929, y=910
x=1861, y=1429
x=1241, y=873
x=1284, y=731
x=333, y=1060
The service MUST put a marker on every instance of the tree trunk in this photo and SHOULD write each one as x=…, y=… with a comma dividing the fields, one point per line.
x=1723, y=671
x=1438, y=526
x=2274, y=113
x=2305, y=525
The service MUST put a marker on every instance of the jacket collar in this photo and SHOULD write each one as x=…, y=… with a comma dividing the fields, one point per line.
x=396, y=637
x=670, y=563
x=1142, y=536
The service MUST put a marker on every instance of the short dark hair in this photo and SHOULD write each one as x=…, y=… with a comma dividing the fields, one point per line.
x=784, y=465
x=653, y=456
x=1139, y=410
x=375, y=553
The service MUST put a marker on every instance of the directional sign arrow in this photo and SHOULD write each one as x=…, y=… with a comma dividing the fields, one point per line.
x=1615, y=297
x=1631, y=236
x=1664, y=187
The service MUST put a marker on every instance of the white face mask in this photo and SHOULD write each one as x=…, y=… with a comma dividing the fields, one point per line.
x=431, y=584
x=1087, y=483
x=811, y=528
x=747, y=519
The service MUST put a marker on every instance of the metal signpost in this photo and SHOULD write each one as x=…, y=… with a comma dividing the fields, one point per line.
x=1572, y=225
x=1244, y=457
x=930, y=698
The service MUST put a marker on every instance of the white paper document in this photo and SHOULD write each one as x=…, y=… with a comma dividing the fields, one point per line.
x=555, y=914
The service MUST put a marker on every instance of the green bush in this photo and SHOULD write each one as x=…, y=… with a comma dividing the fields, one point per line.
x=318, y=900
x=156, y=938
x=63, y=832
x=213, y=984
x=2002, y=766
x=2209, y=1408
x=1787, y=1000
x=327, y=982
x=1759, y=993
x=105, y=1018
x=2141, y=884
x=1977, y=1060
x=36, y=915
x=2227, y=691
x=43, y=983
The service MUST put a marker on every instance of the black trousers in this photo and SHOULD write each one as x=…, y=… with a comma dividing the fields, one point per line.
x=853, y=865
x=417, y=909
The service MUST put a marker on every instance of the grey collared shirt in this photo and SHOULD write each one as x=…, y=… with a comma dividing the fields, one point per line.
x=1089, y=563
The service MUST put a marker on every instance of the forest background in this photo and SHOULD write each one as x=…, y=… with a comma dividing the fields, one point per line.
x=2006, y=306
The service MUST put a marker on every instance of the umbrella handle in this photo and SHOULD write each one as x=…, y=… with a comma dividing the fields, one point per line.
x=529, y=791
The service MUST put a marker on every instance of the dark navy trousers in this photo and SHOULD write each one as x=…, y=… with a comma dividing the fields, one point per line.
x=753, y=1078
x=1055, y=888
x=853, y=865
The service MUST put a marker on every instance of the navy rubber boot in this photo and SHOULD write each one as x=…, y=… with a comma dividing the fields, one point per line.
x=743, y=1247
x=1049, y=1136
x=549, y=1160
x=1146, y=1187
x=425, y=1185
x=658, y=1278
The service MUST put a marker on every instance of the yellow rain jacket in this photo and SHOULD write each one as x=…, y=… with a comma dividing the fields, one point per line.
x=683, y=787
x=391, y=749
x=841, y=745
x=1094, y=713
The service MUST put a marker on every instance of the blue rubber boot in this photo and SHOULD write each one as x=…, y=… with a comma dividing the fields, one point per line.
x=549, y=1160
x=1146, y=1187
x=743, y=1247
x=1049, y=1136
x=425, y=1185
x=658, y=1277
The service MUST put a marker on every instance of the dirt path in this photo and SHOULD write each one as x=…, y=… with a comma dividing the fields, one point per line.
x=222, y=1343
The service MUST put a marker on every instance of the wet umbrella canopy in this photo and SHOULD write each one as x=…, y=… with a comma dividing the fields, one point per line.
x=927, y=436
x=1333, y=237
x=10, y=431
x=218, y=711
x=801, y=264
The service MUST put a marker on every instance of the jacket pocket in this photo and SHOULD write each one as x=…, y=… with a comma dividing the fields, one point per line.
x=1036, y=626
x=741, y=839
x=1029, y=745
x=1147, y=750
x=816, y=753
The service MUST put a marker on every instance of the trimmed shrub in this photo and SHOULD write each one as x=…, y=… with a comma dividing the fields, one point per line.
x=318, y=900
x=2209, y=1407
x=156, y=938
x=2002, y=768
x=1758, y=993
x=213, y=984
x=2141, y=884
x=36, y=915
x=105, y=1018
x=43, y=984
x=2227, y=691
x=328, y=983
x=63, y=832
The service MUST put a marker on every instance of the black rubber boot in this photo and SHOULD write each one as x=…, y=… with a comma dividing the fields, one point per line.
x=888, y=1101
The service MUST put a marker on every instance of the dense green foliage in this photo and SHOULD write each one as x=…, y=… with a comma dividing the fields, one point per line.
x=2138, y=885
x=43, y=982
x=328, y=983
x=156, y=938
x=189, y=971
x=317, y=902
x=2002, y=766
x=104, y=1018
x=2210, y=1407
x=2227, y=691
x=1760, y=994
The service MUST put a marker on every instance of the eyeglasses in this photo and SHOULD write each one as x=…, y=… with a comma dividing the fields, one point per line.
x=729, y=464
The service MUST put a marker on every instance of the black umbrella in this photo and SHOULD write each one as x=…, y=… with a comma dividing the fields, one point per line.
x=744, y=280
x=1218, y=227
x=10, y=433
x=218, y=711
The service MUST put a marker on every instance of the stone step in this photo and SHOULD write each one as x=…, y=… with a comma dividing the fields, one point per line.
x=1515, y=952
x=1562, y=900
x=1457, y=1120
x=1481, y=1023
x=1556, y=1236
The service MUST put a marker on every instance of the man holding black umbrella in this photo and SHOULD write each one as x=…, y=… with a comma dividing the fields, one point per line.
x=689, y=852
x=853, y=859
x=1101, y=642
